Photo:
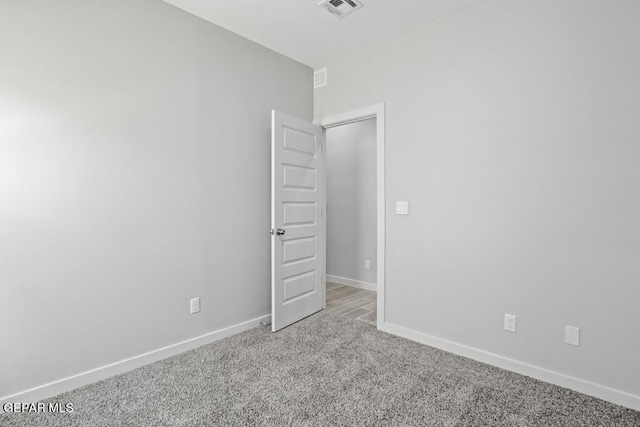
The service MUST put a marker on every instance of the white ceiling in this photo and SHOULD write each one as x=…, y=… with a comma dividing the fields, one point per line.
x=301, y=30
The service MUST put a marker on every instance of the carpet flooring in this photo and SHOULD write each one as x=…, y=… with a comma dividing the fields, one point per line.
x=326, y=370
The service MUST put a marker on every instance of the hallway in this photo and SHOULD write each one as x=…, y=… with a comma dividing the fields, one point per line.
x=352, y=302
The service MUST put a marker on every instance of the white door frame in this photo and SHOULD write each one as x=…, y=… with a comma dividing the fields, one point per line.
x=373, y=111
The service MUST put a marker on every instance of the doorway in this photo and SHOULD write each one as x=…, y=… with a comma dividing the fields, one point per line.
x=298, y=220
x=351, y=220
x=358, y=294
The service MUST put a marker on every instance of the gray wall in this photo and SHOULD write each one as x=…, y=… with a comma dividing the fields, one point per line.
x=512, y=130
x=134, y=175
x=351, y=200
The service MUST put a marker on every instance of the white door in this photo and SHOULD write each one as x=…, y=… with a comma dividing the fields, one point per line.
x=298, y=224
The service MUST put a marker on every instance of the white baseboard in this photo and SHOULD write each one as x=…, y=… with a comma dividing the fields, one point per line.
x=353, y=283
x=596, y=390
x=66, y=384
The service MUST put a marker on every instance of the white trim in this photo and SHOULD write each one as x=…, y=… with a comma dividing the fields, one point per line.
x=84, y=378
x=352, y=116
x=353, y=283
x=371, y=111
x=592, y=389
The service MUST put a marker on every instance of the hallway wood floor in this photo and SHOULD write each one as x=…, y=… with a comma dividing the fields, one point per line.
x=351, y=302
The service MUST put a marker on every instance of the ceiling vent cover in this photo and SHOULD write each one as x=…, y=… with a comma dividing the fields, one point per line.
x=341, y=8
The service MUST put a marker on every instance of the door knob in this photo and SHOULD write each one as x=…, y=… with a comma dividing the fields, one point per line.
x=279, y=231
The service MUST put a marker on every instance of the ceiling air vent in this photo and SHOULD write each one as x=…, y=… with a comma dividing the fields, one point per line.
x=341, y=8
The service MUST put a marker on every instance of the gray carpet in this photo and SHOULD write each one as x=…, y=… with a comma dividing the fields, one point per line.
x=324, y=371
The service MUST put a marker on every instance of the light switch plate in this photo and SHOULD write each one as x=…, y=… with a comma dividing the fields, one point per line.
x=572, y=335
x=195, y=305
x=402, y=208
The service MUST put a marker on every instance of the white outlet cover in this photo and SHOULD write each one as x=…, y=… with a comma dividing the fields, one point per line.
x=367, y=264
x=402, y=208
x=510, y=322
x=572, y=335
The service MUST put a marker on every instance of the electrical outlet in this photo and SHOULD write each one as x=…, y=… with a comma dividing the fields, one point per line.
x=367, y=264
x=195, y=305
x=572, y=335
x=510, y=322
x=402, y=208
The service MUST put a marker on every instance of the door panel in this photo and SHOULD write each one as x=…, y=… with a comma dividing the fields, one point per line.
x=299, y=250
x=300, y=285
x=299, y=178
x=297, y=211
